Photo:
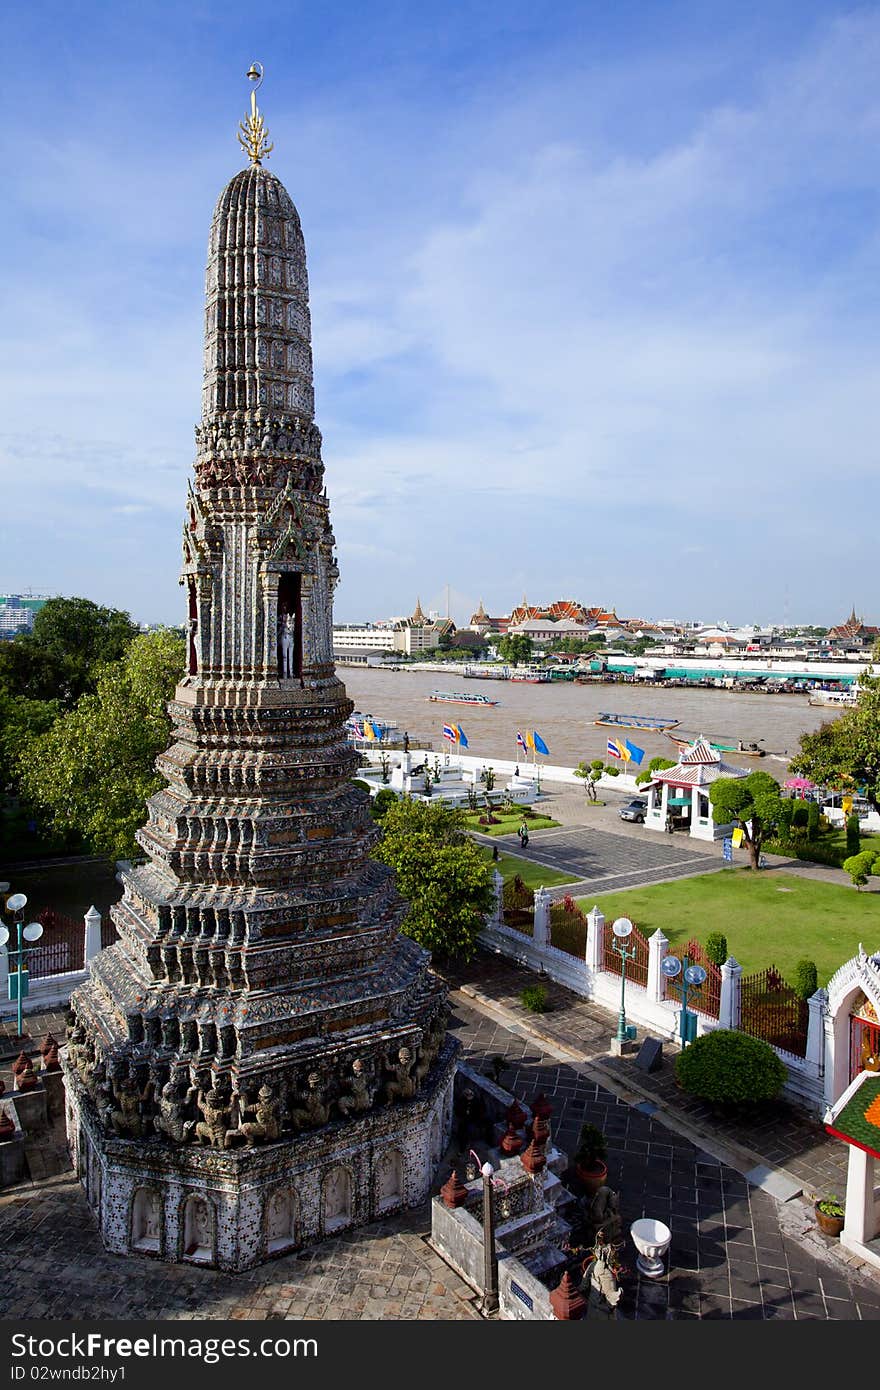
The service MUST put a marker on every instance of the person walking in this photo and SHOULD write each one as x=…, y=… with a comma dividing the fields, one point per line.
x=524, y=835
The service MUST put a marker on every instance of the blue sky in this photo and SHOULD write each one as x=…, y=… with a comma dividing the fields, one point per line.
x=594, y=294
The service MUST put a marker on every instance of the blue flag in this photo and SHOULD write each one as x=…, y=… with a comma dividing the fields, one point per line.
x=540, y=745
x=636, y=754
x=462, y=741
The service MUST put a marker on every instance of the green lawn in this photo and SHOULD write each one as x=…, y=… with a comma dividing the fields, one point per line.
x=509, y=825
x=768, y=918
x=532, y=875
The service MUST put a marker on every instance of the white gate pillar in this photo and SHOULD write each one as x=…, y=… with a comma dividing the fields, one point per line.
x=541, y=929
x=595, y=939
x=731, y=994
x=93, y=933
x=815, y=1053
x=658, y=948
x=498, y=912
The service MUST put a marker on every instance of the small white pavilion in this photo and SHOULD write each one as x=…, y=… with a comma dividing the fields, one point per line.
x=682, y=792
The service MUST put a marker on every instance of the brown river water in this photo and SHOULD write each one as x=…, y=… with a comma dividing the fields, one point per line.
x=563, y=714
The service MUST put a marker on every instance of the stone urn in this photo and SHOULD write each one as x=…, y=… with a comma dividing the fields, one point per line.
x=567, y=1301
x=453, y=1192
x=23, y=1073
x=7, y=1128
x=515, y=1115
x=534, y=1160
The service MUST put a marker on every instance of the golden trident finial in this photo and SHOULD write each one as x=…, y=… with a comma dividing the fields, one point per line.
x=252, y=135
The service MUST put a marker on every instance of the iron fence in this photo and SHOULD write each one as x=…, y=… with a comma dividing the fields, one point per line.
x=770, y=1009
x=60, y=949
x=704, y=998
x=637, y=967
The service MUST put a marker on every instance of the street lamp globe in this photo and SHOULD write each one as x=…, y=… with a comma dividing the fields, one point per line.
x=622, y=927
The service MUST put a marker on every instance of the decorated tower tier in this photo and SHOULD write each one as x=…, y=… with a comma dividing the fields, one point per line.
x=262, y=1057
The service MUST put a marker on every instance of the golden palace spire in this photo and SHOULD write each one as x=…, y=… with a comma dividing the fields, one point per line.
x=252, y=134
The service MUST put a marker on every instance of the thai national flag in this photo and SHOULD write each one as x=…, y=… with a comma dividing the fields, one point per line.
x=614, y=748
x=450, y=731
x=521, y=741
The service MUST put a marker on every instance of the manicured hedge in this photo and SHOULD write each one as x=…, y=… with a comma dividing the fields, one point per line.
x=730, y=1068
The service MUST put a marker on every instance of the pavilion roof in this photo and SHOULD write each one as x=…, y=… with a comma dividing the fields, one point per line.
x=855, y=1117
x=698, y=766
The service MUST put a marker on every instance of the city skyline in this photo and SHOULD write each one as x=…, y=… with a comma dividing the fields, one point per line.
x=611, y=339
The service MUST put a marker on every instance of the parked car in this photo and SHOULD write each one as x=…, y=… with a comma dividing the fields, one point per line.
x=634, y=809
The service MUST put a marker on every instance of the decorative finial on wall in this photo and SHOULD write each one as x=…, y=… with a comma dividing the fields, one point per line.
x=252, y=134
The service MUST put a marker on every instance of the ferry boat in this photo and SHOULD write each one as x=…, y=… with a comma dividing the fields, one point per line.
x=839, y=699
x=746, y=750
x=531, y=675
x=648, y=722
x=460, y=697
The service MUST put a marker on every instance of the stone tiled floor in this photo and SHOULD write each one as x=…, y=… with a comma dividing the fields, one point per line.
x=784, y=1135
x=732, y=1255
x=736, y=1253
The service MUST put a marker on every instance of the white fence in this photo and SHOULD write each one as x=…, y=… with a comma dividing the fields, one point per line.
x=51, y=991
x=646, y=1006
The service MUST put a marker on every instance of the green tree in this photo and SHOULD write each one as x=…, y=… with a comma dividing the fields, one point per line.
x=846, y=751
x=61, y=656
x=93, y=770
x=753, y=802
x=515, y=648
x=853, y=835
x=441, y=873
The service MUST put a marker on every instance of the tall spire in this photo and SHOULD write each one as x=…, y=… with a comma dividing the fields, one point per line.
x=253, y=136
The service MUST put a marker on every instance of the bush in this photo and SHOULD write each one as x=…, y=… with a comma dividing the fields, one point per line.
x=382, y=801
x=612, y=772
x=853, y=837
x=642, y=777
x=860, y=866
x=800, y=816
x=534, y=998
x=358, y=782
x=806, y=979
x=591, y=1147
x=730, y=1068
x=716, y=947
x=659, y=764
x=783, y=821
x=813, y=821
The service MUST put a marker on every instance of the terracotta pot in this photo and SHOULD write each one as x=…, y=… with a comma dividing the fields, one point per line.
x=592, y=1178
x=829, y=1225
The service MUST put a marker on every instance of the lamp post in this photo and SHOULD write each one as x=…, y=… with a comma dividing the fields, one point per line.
x=622, y=929
x=691, y=975
x=30, y=933
x=490, y=1264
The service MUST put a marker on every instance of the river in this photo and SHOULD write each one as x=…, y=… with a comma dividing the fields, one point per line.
x=563, y=714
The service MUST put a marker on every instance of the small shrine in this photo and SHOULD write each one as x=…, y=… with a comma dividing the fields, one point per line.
x=855, y=1118
x=678, y=797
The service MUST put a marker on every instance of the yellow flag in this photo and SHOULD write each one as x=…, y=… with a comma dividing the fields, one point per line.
x=737, y=838
x=847, y=804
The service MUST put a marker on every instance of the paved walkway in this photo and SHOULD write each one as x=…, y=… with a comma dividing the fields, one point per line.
x=780, y=1137
x=602, y=861
x=737, y=1253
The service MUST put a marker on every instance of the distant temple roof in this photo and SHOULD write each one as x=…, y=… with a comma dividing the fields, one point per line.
x=854, y=627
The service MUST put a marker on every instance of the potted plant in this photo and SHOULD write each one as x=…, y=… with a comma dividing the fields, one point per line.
x=589, y=1158
x=829, y=1214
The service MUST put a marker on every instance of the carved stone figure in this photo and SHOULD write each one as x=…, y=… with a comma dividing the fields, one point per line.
x=604, y=1292
x=403, y=1086
x=214, y=1128
x=314, y=1110
x=266, y=1124
x=359, y=1096
x=603, y=1215
x=174, y=1102
x=430, y=1047
x=286, y=632
x=126, y=1118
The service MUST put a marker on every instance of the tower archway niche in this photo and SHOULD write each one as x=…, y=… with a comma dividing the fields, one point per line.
x=290, y=643
x=192, y=627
